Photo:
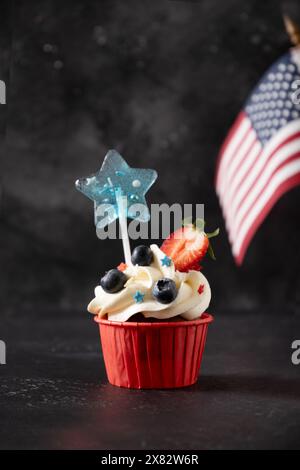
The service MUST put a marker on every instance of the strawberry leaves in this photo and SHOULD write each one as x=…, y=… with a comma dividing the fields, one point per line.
x=213, y=234
x=210, y=251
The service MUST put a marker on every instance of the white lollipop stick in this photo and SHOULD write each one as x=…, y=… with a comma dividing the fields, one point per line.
x=122, y=206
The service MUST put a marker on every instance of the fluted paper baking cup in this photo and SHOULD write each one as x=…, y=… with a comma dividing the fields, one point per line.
x=153, y=355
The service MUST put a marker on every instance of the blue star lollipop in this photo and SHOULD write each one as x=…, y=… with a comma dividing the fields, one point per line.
x=118, y=191
x=116, y=178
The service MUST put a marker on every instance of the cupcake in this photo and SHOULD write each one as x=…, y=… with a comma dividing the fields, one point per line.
x=151, y=309
x=151, y=314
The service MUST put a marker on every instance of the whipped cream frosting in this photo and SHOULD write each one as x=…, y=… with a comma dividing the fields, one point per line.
x=189, y=303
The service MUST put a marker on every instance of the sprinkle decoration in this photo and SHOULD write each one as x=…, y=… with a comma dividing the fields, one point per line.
x=166, y=261
x=201, y=289
x=139, y=297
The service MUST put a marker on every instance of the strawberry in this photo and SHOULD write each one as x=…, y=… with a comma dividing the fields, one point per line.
x=173, y=244
x=188, y=245
x=195, y=267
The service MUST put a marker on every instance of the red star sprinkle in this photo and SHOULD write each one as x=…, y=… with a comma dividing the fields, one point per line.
x=122, y=267
x=201, y=288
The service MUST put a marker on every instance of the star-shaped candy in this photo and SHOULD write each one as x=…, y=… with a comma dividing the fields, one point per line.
x=139, y=297
x=166, y=261
x=116, y=178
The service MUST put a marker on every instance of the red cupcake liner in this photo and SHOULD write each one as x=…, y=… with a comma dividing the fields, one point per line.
x=153, y=355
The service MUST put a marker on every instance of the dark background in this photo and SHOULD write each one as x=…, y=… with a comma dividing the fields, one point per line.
x=161, y=82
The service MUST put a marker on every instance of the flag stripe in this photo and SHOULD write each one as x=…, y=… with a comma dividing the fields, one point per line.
x=231, y=203
x=282, y=188
x=229, y=151
x=269, y=150
x=245, y=166
x=280, y=157
x=281, y=178
x=240, y=147
x=225, y=144
x=241, y=153
x=237, y=202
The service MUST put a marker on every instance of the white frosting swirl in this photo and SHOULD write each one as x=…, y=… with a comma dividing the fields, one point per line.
x=189, y=303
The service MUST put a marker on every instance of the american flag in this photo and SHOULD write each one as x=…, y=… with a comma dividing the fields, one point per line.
x=260, y=158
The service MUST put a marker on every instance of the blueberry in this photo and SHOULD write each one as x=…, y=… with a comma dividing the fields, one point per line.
x=142, y=255
x=164, y=290
x=113, y=281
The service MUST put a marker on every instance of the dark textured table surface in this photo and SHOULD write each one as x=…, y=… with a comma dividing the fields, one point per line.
x=54, y=392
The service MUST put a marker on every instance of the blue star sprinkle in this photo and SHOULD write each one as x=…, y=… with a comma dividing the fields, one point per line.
x=139, y=297
x=166, y=261
x=116, y=178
